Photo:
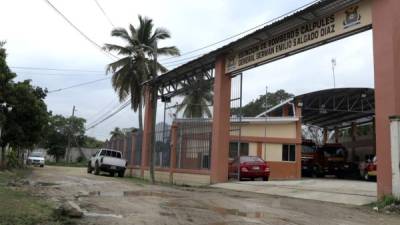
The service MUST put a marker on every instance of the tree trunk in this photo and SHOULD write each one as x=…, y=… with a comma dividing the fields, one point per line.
x=3, y=157
x=140, y=115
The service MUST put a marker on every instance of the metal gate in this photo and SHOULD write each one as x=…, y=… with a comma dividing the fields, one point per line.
x=236, y=116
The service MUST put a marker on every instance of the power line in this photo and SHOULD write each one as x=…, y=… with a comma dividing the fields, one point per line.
x=55, y=69
x=241, y=33
x=111, y=115
x=77, y=85
x=80, y=31
x=102, y=113
x=57, y=75
x=104, y=13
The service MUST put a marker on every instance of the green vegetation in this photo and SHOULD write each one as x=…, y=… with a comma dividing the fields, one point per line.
x=197, y=100
x=23, y=112
x=386, y=201
x=257, y=106
x=58, y=131
x=18, y=207
x=136, y=63
x=71, y=164
x=117, y=132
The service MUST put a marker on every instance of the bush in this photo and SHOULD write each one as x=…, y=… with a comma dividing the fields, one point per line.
x=81, y=159
x=12, y=160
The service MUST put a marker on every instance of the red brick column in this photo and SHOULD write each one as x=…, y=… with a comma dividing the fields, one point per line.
x=386, y=40
x=146, y=136
x=220, y=125
x=298, y=140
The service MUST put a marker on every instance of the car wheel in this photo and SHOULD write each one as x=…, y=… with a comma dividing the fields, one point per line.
x=112, y=174
x=265, y=178
x=96, y=169
x=89, y=168
x=121, y=173
x=41, y=165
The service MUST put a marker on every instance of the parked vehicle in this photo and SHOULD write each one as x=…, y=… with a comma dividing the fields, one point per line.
x=36, y=159
x=107, y=160
x=369, y=171
x=251, y=167
x=330, y=159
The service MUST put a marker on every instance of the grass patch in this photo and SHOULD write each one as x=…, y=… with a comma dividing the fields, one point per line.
x=386, y=201
x=20, y=208
x=137, y=180
x=74, y=164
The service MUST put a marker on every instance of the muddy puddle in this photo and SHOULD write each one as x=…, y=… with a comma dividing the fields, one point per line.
x=221, y=210
x=129, y=194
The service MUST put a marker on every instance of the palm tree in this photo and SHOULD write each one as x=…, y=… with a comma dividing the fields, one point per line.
x=197, y=100
x=116, y=132
x=137, y=62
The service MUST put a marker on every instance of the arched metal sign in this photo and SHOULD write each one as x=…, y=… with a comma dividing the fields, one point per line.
x=349, y=21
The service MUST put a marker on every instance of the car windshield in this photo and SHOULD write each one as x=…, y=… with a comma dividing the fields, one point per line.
x=251, y=159
x=334, y=152
x=308, y=149
x=36, y=154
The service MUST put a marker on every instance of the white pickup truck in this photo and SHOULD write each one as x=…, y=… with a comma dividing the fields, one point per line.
x=107, y=160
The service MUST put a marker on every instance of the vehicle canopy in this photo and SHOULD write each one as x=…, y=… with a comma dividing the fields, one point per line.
x=111, y=153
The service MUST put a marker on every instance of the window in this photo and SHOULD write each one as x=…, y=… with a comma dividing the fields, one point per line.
x=119, y=155
x=103, y=152
x=288, y=152
x=233, y=149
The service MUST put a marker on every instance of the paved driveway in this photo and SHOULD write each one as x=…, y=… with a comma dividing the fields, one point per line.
x=328, y=190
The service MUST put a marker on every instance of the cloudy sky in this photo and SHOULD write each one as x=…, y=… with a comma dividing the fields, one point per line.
x=39, y=37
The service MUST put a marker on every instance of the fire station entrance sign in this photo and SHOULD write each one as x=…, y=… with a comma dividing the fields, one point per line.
x=340, y=24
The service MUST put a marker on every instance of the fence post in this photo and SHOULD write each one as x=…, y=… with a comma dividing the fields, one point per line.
x=174, y=142
x=395, y=154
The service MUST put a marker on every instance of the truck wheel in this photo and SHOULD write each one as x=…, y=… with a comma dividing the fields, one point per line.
x=265, y=178
x=121, y=173
x=112, y=174
x=96, y=169
x=89, y=168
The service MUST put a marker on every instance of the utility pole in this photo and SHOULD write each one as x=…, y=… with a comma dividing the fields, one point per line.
x=68, y=152
x=333, y=61
x=153, y=119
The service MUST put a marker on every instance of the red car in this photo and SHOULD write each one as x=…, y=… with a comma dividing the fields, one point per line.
x=251, y=167
x=369, y=172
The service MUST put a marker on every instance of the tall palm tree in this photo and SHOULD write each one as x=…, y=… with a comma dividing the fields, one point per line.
x=137, y=62
x=197, y=100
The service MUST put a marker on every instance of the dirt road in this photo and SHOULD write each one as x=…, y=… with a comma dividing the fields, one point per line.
x=108, y=200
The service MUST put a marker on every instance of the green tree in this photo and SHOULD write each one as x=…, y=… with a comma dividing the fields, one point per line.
x=23, y=112
x=257, y=106
x=197, y=100
x=116, y=133
x=136, y=63
x=58, y=131
x=91, y=142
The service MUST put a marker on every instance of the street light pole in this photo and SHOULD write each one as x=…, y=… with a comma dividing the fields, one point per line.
x=68, y=152
x=333, y=61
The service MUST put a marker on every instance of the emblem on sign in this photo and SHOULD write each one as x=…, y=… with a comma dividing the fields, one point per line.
x=352, y=17
x=231, y=63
